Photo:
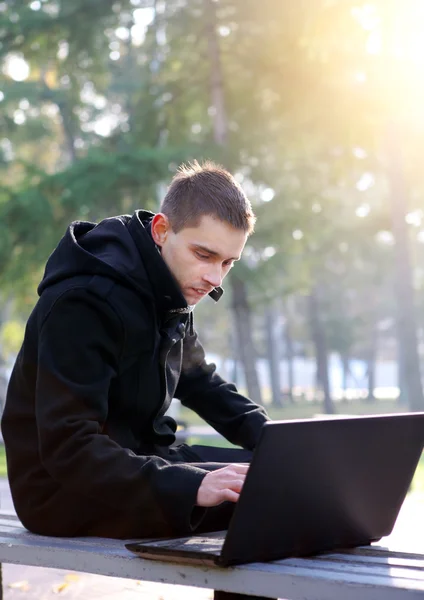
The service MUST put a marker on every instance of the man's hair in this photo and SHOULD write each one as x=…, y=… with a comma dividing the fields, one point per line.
x=206, y=189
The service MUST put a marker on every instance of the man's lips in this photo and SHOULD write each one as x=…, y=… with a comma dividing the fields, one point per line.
x=200, y=291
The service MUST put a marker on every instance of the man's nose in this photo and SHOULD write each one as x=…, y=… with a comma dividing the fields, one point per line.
x=214, y=276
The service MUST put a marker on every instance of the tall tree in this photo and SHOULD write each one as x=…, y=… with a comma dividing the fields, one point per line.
x=220, y=131
x=409, y=362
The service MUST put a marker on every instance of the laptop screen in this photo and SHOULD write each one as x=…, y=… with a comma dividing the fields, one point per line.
x=320, y=484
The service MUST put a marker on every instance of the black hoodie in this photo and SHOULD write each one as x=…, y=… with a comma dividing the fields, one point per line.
x=108, y=345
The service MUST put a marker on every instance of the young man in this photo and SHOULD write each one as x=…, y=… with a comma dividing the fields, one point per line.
x=108, y=345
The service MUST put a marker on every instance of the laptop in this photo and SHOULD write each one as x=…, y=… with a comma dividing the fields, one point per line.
x=313, y=485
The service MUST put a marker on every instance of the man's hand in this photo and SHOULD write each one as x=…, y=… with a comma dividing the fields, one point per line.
x=221, y=485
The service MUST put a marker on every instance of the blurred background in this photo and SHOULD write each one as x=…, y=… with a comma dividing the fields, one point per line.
x=316, y=106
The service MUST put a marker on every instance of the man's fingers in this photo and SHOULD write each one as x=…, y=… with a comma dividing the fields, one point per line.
x=229, y=496
x=239, y=467
x=236, y=485
x=222, y=484
x=237, y=471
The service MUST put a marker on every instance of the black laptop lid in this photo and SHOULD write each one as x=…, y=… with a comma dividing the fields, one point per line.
x=319, y=484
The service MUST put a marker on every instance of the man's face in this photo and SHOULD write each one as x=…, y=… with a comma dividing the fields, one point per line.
x=198, y=257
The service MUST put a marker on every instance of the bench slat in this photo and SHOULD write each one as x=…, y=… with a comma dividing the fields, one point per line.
x=277, y=576
x=369, y=573
x=376, y=549
x=413, y=563
x=380, y=569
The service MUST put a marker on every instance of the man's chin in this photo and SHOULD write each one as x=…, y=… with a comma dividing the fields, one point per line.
x=192, y=301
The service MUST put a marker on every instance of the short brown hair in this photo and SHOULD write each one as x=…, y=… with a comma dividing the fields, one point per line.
x=206, y=189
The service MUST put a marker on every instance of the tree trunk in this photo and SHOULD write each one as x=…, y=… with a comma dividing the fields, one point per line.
x=273, y=356
x=345, y=373
x=411, y=387
x=320, y=343
x=244, y=335
x=371, y=378
x=403, y=399
x=371, y=364
x=220, y=124
x=290, y=358
x=235, y=377
x=220, y=132
x=67, y=126
x=233, y=345
x=66, y=117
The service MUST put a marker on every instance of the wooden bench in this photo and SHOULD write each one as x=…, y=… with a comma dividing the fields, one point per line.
x=368, y=573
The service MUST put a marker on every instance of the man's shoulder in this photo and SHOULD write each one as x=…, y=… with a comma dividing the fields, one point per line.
x=102, y=297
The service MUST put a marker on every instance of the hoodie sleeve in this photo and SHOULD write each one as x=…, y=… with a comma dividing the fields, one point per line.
x=79, y=348
x=200, y=388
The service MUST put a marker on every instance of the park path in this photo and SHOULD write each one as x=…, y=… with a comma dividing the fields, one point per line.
x=34, y=583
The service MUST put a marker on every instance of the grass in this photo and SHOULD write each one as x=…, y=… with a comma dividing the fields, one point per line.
x=3, y=468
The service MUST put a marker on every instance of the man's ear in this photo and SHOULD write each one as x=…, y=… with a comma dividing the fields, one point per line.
x=160, y=228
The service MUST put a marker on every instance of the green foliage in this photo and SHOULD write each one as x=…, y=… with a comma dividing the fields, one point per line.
x=11, y=336
x=3, y=465
x=34, y=218
x=295, y=115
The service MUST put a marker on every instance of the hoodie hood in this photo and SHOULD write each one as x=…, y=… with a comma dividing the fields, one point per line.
x=120, y=248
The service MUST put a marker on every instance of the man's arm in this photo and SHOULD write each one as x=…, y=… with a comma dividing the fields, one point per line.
x=200, y=388
x=79, y=346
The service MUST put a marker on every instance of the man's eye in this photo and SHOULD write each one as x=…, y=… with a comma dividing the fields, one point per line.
x=202, y=256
